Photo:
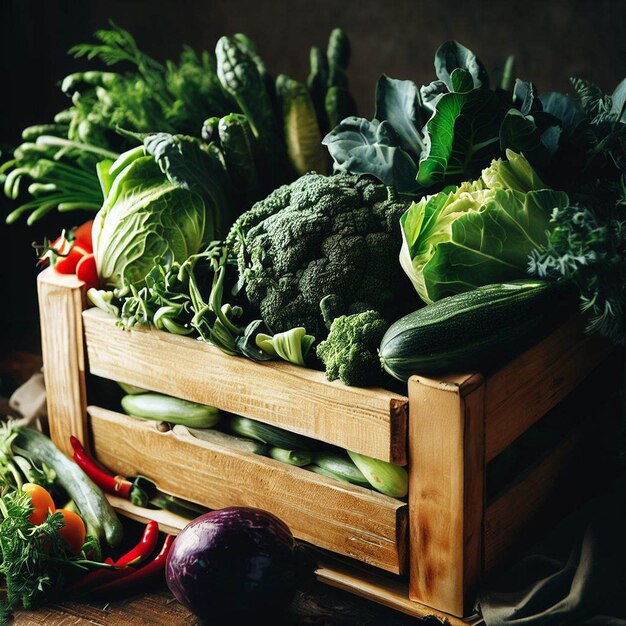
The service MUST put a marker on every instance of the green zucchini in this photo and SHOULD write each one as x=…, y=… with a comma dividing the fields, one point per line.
x=291, y=457
x=390, y=479
x=155, y=406
x=338, y=463
x=93, y=506
x=472, y=329
x=271, y=435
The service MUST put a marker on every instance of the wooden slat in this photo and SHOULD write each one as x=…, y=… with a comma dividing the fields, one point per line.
x=446, y=476
x=386, y=590
x=344, y=518
x=61, y=301
x=527, y=388
x=511, y=519
x=369, y=421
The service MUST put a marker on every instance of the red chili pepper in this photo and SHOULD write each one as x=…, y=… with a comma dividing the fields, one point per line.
x=111, y=484
x=98, y=578
x=139, y=578
x=139, y=491
x=144, y=548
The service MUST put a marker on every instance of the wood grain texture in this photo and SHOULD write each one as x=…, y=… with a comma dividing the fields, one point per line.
x=387, y=590
x=446, y=484
x=347, y=519
x=61, y=301
x=527, y=388
x=368, y=421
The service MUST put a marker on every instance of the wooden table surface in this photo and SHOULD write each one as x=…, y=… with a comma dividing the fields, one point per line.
x=319, y=606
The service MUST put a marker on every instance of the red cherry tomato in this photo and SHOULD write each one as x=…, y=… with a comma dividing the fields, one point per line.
x=87, y=272
x=82, y=236
x=67, y=264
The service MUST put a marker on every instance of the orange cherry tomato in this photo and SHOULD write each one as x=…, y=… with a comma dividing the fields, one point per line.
x=74, y=531
x=41, y=501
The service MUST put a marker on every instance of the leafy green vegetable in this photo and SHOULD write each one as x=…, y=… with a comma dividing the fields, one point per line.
x=482, y=232
x=360, y=146
x=293, y=345
x=240, y=77
x=398, y=102
x=163, y=201
x=316, y=237
x=462, y=136
x=350, y=352
x=302, y=133
x=238, y=146
x=451, y=56
x=590, y=252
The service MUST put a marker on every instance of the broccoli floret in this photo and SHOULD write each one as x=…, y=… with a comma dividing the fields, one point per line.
x=350, y=352
x=319, y=236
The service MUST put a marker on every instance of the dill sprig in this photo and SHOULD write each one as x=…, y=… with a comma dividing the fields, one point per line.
x=591, y=252
x=33, y=557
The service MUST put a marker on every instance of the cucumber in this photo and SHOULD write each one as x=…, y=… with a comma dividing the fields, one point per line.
x=390, y=479
x=93, y=506
x=155, y=406
x=300, y=458
x=472, y=329
x=338, y=463
x=271, y=435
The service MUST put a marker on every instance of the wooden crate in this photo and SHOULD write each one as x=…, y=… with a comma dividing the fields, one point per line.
x=423, y=556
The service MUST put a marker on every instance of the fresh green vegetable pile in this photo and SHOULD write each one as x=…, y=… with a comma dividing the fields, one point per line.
x=473, y=180
x=265, y=132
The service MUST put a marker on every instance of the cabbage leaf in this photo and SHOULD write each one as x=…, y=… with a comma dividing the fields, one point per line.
x=482, y=232
x=164, y=201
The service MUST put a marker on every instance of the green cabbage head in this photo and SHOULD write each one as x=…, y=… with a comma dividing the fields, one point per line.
x=479, y=233
x=145, y=217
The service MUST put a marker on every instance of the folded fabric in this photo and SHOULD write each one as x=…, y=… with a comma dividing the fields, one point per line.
x=577, y=576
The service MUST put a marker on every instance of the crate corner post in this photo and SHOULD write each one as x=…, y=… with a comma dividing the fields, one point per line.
x=61, y=303
x=446, y=491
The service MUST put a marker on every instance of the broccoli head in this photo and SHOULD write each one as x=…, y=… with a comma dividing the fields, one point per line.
x=350, y=352
x=321, y=235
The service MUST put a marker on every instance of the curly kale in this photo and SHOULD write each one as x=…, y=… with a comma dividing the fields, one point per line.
x=320, y=236
x=350, y=352
x=591, y=252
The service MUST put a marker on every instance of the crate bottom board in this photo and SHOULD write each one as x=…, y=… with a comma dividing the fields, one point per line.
x=362, y=581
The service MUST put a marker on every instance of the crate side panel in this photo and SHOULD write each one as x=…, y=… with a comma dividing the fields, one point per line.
x=340, y=517
x=369, y=421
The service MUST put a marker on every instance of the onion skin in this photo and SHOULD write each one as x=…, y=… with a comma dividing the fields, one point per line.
x=235, y=563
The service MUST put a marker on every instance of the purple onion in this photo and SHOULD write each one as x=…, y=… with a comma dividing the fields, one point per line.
x=234, y=563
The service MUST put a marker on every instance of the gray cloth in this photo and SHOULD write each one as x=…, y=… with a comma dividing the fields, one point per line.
x=575, y=577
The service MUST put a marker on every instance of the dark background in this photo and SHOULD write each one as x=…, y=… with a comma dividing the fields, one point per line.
x=550, y=39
